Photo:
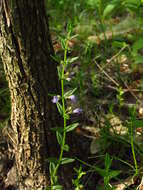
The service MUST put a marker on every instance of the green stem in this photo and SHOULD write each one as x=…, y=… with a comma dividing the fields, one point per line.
x=133, y=150
x=63, y=106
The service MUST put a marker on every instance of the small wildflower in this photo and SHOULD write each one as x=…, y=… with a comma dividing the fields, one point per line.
x=68, y=79
x=55, y=99
x=73, y=98
x=77, y=110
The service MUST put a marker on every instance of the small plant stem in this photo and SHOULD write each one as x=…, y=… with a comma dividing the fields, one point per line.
x=63, y=106
x=133, y=150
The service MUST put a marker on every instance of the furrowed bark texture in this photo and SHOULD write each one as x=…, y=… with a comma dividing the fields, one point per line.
x=25, y=48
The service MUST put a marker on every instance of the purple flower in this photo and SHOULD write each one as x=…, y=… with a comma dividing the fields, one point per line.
x=55, y=99
x=77, y=110
x=73, y=98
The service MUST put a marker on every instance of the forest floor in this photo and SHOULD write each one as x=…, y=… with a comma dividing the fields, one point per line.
x=108, y=75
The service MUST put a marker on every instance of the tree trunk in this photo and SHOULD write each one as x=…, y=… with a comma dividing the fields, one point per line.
x=26, y=52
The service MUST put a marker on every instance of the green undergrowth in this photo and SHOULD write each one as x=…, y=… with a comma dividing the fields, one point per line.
x=108, y=76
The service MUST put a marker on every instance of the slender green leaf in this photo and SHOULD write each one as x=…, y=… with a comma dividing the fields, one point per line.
x=118, y=44
x=57, y=187
x=67, y=160
x=59, y=137
x=108, y=10
x=110, y=173
x=66, y=147
x=69, y=93
x=60, y=108
x=63, y=43
x=108, y=162
x=59, y=72
x=74, y=36
x=56, y=58
x=71, y=127
x=113, y=173
x=52, y=167
x=71, y=60
x=100, y=171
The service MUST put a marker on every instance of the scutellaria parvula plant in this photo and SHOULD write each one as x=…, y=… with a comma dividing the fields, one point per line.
x=60, y=101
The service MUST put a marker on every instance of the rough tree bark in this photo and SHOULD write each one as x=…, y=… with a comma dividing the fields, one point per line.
x=26, y=52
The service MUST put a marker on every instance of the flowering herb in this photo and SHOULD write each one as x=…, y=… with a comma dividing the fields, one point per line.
x=55, y=99
x=60, y=101
x=77, y=110
x=73, y=98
